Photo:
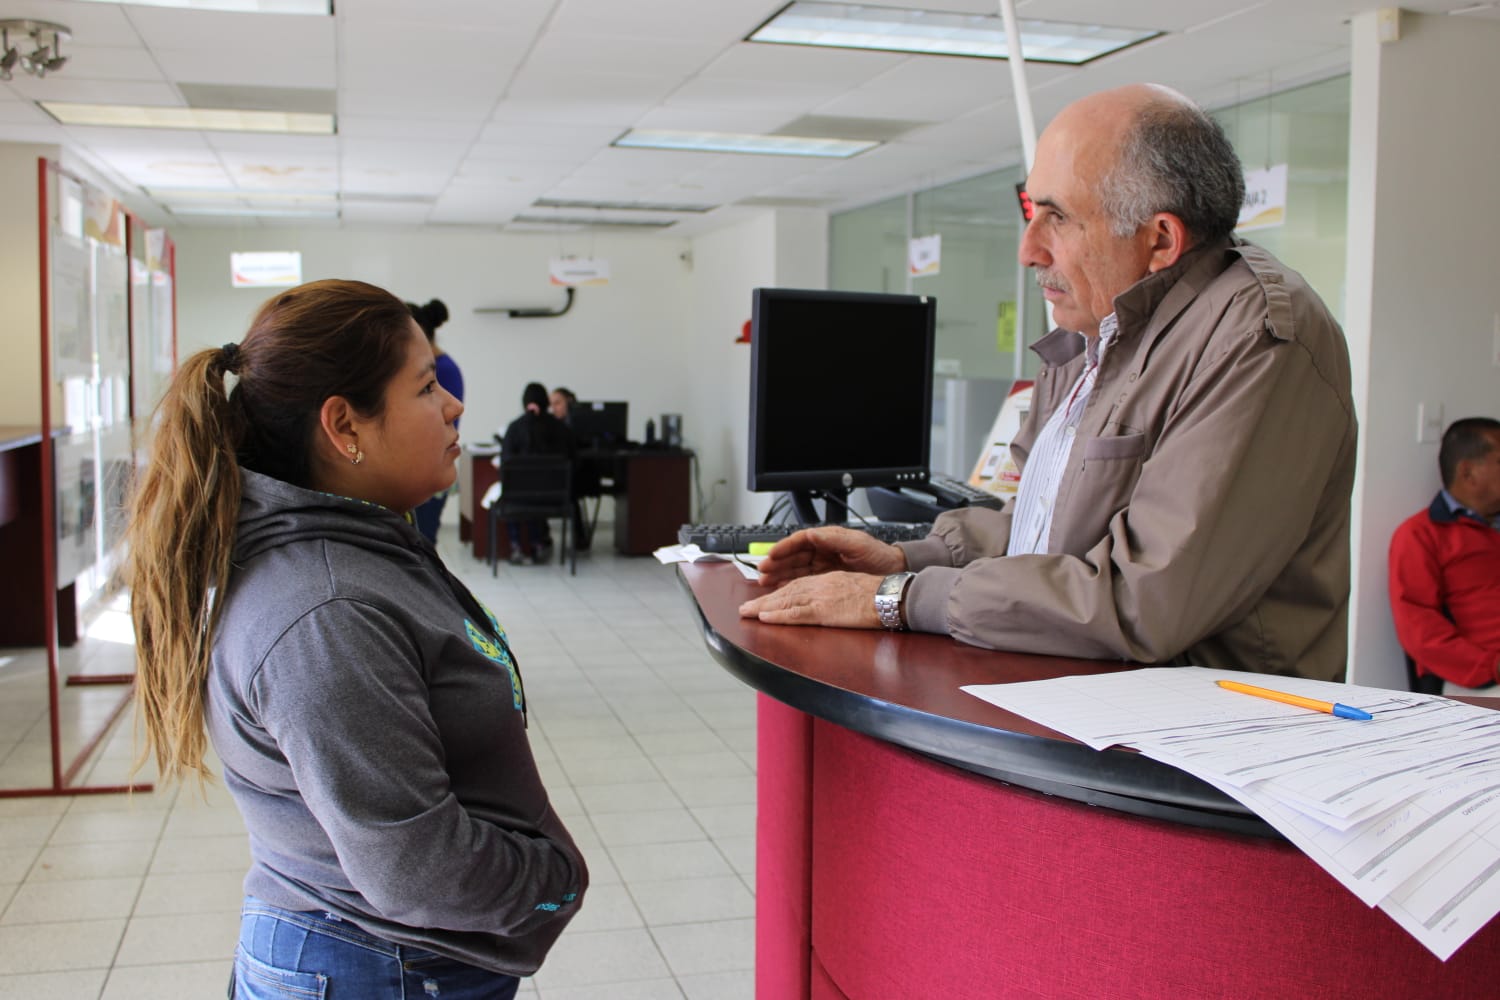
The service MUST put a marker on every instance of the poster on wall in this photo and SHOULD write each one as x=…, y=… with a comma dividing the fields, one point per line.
x=576, y=271
x=77, y=537
x=112, y=311
x=72, y=317
x=269, y=269
x=1265, y=199
x=924, y=255
x=995, y=470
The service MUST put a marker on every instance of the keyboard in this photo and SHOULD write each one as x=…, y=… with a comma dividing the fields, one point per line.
x=957, y=493
x=738, y=537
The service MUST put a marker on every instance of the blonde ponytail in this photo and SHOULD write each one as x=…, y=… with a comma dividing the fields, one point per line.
x=181, y=533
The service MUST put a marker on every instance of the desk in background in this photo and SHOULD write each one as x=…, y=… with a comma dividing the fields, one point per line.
x=22, y=548
x=652, y=490
x=914, y=841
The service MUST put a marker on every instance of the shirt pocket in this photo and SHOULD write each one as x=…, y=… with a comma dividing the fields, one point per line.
x=1106, y=449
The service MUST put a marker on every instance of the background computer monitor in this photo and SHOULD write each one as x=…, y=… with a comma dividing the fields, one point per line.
x=598, y=424
x=840, y=393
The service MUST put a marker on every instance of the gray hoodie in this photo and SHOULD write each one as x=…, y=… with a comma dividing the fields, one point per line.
x=370, y=720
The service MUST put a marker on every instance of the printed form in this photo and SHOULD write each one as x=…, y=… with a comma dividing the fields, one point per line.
x=1403, y=809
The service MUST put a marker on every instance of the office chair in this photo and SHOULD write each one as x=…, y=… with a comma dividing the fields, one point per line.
x=1423, y=683
x=533, y=488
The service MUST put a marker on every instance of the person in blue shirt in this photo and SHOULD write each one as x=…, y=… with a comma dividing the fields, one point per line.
x=429, y=317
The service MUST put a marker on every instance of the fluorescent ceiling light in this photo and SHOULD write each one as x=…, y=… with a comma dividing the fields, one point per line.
x=737, y=142
x=560, y=220
x=205, y=119
x=853, y=26
x=323, y=7
x=330, y=212
x=620, y=206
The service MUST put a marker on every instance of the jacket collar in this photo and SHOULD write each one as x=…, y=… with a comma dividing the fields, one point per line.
x=1444, y=509
x=1160, y=296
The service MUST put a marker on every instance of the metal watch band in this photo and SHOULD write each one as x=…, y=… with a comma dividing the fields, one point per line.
x=888, y=599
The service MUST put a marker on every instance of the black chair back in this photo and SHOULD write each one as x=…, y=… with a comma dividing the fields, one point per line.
x=535, y=487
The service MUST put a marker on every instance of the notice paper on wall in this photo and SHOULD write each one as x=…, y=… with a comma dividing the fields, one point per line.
x=1403, y=809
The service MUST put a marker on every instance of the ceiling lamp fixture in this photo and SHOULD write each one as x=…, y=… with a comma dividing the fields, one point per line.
x=930, y=32
x=46, y=53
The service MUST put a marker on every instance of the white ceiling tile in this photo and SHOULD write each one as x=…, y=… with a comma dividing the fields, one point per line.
x=590, y=52
x=486, y=105
x=751, y=95
x=312, y=68
x=927, y=89
x=21, y=132
x=801, y=64
x=412, y=129
x=464, y=106
x=754, y=122
x=515, y=15
x=60, y=87
x=635, y=90
x=110, y=62
x=162, y=28
x=384, y=212
x=273, y=145
x=723, y=21
x=525, y=132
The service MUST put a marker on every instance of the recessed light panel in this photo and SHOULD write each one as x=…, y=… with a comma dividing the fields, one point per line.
x=891, y=29
x=203, y=119
x=323, y=7
x=736, y=142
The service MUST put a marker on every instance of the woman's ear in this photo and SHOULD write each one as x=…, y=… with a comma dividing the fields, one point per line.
x=338, y=428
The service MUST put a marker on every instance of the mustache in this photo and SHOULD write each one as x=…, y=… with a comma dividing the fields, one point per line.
x=1048, y=278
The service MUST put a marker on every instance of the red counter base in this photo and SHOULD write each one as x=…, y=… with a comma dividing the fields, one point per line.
x=883, y=874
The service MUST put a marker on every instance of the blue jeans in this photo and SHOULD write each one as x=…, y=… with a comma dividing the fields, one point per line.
x=286, y=955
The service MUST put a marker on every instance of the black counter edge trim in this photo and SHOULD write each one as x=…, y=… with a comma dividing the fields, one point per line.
x=1112, y=779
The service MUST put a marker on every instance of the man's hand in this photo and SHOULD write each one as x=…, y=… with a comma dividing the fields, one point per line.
x=826, y=550
x=846, y=600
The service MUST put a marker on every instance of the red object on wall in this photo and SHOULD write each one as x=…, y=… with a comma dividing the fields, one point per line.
x=744, y=337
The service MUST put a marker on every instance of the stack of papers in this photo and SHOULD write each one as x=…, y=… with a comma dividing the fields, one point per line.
x=747, y=565
x=1404, y=809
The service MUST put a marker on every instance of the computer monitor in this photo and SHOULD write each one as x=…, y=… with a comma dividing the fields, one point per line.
x=598, y=424
x=840, y=393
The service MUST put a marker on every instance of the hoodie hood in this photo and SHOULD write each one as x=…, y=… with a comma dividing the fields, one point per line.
x=274, y=513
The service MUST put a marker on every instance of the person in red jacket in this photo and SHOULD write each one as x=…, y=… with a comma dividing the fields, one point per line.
x=1445, y=564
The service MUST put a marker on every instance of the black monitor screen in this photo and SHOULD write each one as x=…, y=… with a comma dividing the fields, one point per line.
x=840, y=389
x=599, y=425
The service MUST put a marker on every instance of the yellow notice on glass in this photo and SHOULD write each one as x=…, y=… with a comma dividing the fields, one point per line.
x=1005, y=328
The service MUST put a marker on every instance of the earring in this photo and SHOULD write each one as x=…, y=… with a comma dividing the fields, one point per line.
x=358, y=456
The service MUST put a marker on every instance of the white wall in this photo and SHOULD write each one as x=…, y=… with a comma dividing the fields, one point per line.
x=784, y=248
x=20, y=285
x=627, y=340
x=1423, y=291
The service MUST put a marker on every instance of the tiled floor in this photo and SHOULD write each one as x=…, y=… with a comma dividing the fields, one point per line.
x=646, y=744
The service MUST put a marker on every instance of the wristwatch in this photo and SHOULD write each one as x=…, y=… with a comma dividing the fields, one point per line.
x=888, y=598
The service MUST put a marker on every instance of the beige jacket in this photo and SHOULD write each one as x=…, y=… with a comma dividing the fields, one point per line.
x=1204, y=515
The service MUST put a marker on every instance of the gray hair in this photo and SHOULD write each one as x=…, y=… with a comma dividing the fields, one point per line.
x=1175, y=158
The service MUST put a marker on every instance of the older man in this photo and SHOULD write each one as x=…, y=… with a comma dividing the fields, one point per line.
x=1188, y=460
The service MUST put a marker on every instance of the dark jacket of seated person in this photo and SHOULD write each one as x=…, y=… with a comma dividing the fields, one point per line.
x=536, y=431
x=1445, y=564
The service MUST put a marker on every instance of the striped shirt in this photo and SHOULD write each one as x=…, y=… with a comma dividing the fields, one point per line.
x=1031, y=523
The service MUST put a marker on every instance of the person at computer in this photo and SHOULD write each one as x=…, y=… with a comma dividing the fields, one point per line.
x=1188, y=459
x=560, y=401
x=535, y=432
x=1444, y=566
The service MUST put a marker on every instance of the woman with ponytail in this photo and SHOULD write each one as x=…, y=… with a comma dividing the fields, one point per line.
x=366, y=708
x=429, y=513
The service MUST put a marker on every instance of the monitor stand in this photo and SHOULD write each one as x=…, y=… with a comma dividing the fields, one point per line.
x=835, y=506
